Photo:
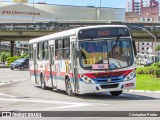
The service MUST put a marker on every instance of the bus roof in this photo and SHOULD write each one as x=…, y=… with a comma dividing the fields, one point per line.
x=68, y=32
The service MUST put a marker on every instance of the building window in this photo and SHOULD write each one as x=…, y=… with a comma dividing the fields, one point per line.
x=148, y=19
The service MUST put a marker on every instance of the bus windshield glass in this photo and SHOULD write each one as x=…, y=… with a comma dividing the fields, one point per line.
x=106, y=54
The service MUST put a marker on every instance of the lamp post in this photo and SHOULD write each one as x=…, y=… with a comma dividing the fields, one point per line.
x=155, y=39
x=100, y=10
x=154, y=42
x=33, y=13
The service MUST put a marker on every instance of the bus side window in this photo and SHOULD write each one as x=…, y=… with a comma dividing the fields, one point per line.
x=39, y=51
x=66, y=47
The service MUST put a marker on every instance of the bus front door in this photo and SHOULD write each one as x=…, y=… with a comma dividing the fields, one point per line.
x=35, y=64
x=52, y=67
x=74, y=65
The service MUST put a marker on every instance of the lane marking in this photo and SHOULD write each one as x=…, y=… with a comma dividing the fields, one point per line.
x=53, y=101
x=67, y=104
x=2, y=94
x=9, y=82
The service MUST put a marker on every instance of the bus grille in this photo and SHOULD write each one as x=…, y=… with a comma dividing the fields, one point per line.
x=108, y=80
x=109, y=86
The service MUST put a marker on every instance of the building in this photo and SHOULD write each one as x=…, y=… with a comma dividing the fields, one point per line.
x=20, y=11
x=145, y=10
x=22, y=1
x=16, y=12
x=142, y=10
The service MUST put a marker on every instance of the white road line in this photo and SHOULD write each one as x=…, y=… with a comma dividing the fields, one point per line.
x=9, y=82
x=51, y=101
x=2, y=94
x=68, y=104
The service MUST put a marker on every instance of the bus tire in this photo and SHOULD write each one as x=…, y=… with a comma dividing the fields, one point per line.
x=69, y=89
x=43, y=84
x=116, y=93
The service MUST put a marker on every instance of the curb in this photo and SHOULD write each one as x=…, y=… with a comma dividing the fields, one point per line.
x=9, y=82
x=142, y=91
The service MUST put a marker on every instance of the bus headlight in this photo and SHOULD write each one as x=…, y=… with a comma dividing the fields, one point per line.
x=86, y=79
x=130, y=76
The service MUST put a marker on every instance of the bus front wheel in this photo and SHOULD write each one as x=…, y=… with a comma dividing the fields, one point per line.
x=116, y=93
x=43, y=84
x=69, y=89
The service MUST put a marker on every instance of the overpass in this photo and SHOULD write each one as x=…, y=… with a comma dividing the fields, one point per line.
x=26, y=35
x=19, y=35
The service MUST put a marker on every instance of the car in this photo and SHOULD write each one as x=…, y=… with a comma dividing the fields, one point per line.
x=21, y=63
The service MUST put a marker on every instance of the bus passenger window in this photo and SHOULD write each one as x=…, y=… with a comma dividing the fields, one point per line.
x=39, y=51
x=66, y=53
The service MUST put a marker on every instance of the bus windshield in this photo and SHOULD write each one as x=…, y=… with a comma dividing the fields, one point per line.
x=106, y=54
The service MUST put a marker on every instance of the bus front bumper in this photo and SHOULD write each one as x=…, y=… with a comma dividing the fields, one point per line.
x=98, y=88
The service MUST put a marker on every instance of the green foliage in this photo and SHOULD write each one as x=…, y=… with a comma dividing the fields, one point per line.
x=157, y=48
x=149, y=70
x=157, y=73
x=4, y=56
x=139, y=70
x=11, y=59
x=24, y=56
x=153, y=69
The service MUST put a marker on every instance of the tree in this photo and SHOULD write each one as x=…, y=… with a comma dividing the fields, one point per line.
x=4, y=56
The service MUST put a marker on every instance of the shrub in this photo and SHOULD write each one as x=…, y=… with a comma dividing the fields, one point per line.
x=24, y=56
x=4, y=56
x=11, y=59
x=139, y=71
x=149, y=70
x=157, y=73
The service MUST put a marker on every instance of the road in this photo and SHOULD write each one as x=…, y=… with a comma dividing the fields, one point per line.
x=25, y=96
x=8, y=76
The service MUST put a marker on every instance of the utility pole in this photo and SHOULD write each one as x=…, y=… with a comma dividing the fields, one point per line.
x=33, y=13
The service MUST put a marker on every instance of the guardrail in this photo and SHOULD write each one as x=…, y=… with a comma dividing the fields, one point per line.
x=65, y=26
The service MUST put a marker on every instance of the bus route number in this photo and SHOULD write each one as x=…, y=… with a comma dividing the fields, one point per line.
x=88, y=61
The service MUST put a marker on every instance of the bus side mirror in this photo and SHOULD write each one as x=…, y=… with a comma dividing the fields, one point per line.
x=78, y=53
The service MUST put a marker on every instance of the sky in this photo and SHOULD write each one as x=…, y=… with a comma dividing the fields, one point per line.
x=96, y=3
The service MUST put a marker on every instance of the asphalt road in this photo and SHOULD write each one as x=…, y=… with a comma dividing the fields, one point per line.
x=25, y=96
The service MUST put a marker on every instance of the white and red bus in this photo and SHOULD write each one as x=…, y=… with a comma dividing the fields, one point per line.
x=84, y=60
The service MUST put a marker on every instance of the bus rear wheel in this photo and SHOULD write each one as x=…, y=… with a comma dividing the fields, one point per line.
x=43, y=85
x=116, y=93
x=69, y=89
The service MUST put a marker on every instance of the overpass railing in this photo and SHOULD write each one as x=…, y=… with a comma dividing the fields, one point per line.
x=66, y=26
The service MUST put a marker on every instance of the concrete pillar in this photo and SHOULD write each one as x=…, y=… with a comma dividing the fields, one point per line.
x=12, y=48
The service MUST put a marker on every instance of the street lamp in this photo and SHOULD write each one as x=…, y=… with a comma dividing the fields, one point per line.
x=33, y=12
x=100, y=10
x=154, y=42
x=153, y=37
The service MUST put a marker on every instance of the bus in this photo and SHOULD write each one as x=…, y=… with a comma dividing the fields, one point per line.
x=92, y=59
